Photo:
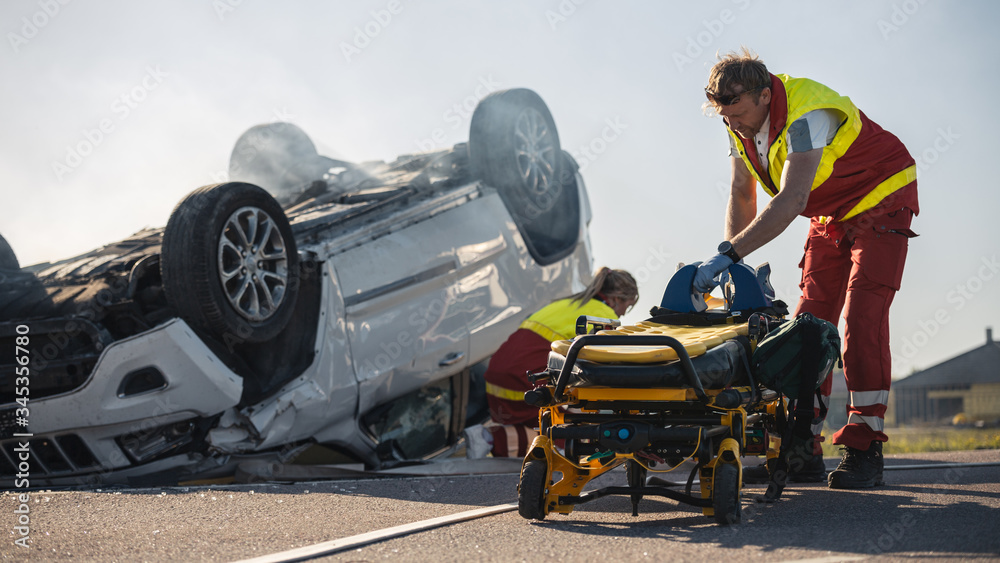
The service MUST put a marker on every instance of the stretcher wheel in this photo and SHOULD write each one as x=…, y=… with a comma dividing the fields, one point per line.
x=726, y=494
x=531, y=490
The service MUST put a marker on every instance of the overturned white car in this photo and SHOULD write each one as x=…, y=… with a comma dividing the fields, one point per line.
x=307, y=301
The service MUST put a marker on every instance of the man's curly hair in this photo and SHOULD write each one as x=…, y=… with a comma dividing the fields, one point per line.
x=744, y=68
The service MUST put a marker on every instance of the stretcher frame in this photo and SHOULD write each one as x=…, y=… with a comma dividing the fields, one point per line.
x=714, y=427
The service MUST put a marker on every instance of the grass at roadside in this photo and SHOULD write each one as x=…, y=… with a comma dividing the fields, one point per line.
x=940, y=439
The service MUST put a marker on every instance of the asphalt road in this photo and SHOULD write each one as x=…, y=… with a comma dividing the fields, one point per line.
x=939, y=514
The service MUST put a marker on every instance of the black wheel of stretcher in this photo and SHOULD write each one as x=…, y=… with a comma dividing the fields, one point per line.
x=726, y=494
x=531, y=490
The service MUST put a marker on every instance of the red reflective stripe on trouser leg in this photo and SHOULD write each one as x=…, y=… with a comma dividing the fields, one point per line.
x=826, y=268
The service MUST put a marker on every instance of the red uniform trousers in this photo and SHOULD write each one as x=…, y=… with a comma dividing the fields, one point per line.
x=856, y=267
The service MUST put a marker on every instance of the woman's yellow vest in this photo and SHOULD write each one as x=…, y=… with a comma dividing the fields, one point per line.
x=557, y=320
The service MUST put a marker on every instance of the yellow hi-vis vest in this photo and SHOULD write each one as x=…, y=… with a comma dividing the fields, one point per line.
x=557, y=320
x=863, y=176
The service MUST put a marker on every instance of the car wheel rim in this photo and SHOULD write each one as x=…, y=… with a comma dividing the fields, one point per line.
x=253, y=263
x=535, y=149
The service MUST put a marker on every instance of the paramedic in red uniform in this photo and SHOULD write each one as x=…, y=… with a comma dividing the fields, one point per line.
x=817, y=155
x=611, y=294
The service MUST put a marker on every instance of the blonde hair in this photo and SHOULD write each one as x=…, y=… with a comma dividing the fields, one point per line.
x=741, y=67
x=609, y=283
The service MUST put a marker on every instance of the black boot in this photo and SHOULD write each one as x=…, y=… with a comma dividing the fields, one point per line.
x=859, y=469
x=813, y=471
x=756, y=474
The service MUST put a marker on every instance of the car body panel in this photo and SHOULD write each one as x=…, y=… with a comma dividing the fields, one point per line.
x=196, y=382
x=326, y=390
x=399, y=290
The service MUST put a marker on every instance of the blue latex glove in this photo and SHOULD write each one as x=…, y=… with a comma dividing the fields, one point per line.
x=704, y=278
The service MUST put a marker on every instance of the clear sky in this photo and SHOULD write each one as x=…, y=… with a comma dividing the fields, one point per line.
x=113, y=111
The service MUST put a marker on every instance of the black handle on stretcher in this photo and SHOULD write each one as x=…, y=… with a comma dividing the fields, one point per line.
x=637, y=340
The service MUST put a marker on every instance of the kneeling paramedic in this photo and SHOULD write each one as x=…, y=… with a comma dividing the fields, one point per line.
x=610, y=295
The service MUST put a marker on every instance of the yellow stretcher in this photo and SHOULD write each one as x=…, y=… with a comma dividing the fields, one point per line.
x=649, y=396
x=696, y=340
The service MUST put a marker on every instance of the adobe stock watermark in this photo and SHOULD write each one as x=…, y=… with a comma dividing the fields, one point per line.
x=590, y=151
x=419, y=323
x=699, y=43
x=54, y=345
x=121, y=108
x=657, y=258
x=891, y=535
x=563, y=12
x=32, y=25
x=724, y=190
x=225, y=7
x=958, y=297
x=241, y=336
x=587, y=153
x=256, y=143
x=366, y=33
x=941, y=144
x=900, y=16
x=458, y=113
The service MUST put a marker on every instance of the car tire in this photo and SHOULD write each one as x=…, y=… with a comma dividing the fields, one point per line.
x=229, y=262
x=514, y=147
x=8, y=260
x=279, y=157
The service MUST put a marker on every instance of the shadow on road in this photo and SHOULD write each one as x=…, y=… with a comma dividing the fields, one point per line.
x=904, y=518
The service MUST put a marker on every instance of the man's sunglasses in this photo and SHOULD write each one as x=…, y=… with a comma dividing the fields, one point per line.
x=729, y=99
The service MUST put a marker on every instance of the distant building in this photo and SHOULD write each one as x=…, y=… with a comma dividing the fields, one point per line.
x=967, y=384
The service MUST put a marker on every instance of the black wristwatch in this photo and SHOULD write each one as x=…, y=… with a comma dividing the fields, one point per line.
x=726, y=249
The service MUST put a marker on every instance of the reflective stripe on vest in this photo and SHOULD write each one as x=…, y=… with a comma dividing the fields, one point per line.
x=891, y=184
x=504, y=393
x=557, y=320
x=802, y=96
